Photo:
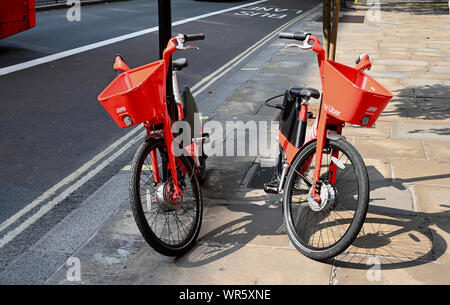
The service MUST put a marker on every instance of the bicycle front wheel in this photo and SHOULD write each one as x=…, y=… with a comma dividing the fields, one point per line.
x=171, y=228
x=326, y=230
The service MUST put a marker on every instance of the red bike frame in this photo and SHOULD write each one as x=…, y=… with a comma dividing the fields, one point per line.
x=322, y=127
x=159, y=111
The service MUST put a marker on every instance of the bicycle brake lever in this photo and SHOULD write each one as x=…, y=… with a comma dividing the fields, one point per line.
x=303, y=47
x=187, y=47
x=193, y=47
x=293, y=45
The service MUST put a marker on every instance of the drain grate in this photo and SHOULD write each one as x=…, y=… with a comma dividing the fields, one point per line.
x=260, y=176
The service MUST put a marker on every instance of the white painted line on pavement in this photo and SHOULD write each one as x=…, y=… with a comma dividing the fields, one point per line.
x=49, y=58
x=207, y=81
x=50, y=205
x=69, y=179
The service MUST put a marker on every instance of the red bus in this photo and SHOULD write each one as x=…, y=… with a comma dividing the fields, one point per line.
x=16, y=16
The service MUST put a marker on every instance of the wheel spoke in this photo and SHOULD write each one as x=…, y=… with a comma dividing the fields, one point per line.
x=172, y=226
x=323, y=229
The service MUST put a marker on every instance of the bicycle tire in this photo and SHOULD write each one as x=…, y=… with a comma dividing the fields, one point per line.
x=202, y=171
x=299, y=238
x=148, y=232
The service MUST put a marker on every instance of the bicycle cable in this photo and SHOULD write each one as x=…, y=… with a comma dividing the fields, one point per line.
x=279, y=106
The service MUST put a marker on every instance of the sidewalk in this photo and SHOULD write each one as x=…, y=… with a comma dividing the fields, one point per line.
x=243, y=240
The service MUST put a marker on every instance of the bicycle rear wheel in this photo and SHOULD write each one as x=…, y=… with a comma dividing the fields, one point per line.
x=326, y=230
x=170, y=227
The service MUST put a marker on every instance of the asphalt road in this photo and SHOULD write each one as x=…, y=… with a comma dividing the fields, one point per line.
x=51, y=122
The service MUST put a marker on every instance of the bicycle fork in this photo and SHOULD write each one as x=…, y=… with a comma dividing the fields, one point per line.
x=322, y=133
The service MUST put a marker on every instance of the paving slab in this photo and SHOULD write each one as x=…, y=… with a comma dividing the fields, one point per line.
x=380, y=130
x=122, y=223
x=222, y=183
x=397, y=115
x=379, y=148
x=430, y=88
x=433, y=200
x=236, y=265
x=103, y=257
x=440, y=76
x=379, y=170
x=244, y=224
x=406, y=68
x=430, y=132
x=390, y=198
x=256, y=196
x=407, y=274
x=422, y=172
x=415, y=117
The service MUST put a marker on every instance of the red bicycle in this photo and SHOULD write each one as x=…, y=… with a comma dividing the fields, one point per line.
x=165, y=192
x=325, y=180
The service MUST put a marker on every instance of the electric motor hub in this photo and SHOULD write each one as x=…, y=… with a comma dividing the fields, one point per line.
x=328, y=198
x=165, y=198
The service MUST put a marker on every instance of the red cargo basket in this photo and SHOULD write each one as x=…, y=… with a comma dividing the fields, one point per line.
x=353, y=96
x=137, y=95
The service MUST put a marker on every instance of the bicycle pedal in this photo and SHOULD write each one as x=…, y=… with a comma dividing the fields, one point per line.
x=271, y=187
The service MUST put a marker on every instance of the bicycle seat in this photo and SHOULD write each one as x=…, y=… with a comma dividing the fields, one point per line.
x=180, y=63
x=305, y=93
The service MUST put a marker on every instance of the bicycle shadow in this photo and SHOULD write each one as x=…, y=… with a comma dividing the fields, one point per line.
x=404, y=238
x=427, y=103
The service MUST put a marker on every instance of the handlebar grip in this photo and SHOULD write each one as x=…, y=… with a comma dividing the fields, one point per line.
x=296, y=36
x=193, y=37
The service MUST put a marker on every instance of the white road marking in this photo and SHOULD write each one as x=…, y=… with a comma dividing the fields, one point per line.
x=51, y=204
x=48, y=194
x=69, y=179
x=53, y=57
x=207, y=81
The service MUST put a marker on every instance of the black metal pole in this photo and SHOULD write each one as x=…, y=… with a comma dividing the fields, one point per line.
x=165, y=33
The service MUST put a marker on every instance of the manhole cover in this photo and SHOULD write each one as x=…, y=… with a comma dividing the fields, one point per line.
x=260, y=176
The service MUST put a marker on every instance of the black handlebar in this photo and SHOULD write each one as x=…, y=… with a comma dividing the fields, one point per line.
x=193, y=37
x=296, y=36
